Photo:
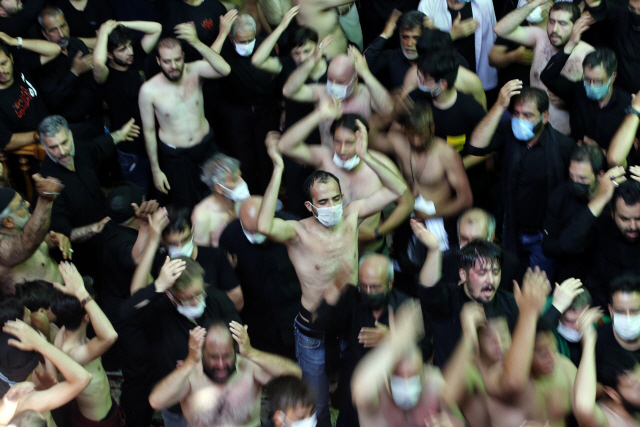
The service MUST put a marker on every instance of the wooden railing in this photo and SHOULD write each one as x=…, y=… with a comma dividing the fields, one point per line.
x=32, y=150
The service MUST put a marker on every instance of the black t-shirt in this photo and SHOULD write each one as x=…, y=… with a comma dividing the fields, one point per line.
x=531, y=188
x=217, y=270
x=246, y=85
x=76, y=98
x=607, y=341
x=455, y=124
x=120, y=92
x=21, y=106
x=514, y=71
x=205, y=16
x=465, y=45
x=85, y=23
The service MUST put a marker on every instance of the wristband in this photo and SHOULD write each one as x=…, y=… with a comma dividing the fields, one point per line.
x=86, y=300
x=631, y=110
x=19, y=42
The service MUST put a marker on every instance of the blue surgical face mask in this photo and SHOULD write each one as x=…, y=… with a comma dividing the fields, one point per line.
x=595, y=92
x=522, y=129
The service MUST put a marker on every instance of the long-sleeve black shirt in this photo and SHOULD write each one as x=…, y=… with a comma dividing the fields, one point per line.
x=390, y=65
x=586, y=116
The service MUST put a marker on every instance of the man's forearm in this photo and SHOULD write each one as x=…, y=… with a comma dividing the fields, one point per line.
x=273, y=364
x=299, y=132
x=146, y=27
x=483, y=133
x=380, y=97
x=402, y=211
x=431, y=271
x=82, y=234
x=389, y=179
x=140, y=277
x=622, y=141
x=518, y=359
x=264, y=50
x=172, y=388
x=42, y=47
x=512, y=20
x=100, y=323
x=151, y=144
x=454, y=205
x=18, y=248
x=269, y=201
x=297, y=79
x=21, y=139
x=213, y=58
x=584, y=388
x=69, y=368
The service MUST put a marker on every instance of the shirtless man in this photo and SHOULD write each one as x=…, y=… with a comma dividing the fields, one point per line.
x=618, y=372
x=24, y=242
x=323, y=17
x=562, y=17
x=343, y=84
x=358, y=180
x=174, y=98
x=218, y=385
x=94, y=404
x=323, y=249
x=222, y=175
x=392, y=386
x=433, y=169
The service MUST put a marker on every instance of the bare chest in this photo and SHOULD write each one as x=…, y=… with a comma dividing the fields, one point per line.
x=171, y=101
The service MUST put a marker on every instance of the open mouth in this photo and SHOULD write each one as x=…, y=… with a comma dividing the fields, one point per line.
x=487, y=291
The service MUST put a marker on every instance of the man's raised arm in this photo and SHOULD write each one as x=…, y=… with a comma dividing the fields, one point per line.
x=274, y=228
x=213, y=66
x=17, y=248
x=382, y=197
x=295, y=87
x=176, y=386
x=623, y=140
x=262, y=58
x=484, y=131
x=431, y=271
x=381, y=100
x=510, y=29
x=292, y=142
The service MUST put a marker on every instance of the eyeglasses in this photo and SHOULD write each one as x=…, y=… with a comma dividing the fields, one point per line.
x=194, y=300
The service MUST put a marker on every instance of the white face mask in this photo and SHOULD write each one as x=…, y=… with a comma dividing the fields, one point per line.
x=239, y=193
x=255, y=238
x=307, y=422
x=346, y=164
x=627, y=327
x=245, y=49
x=337, y=91
x=177, y=251
x=192, y=311
x=329, y=216
x=406, y=391
x=569, y=334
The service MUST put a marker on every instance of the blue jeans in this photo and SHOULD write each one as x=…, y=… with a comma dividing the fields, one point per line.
x=310, y=353
x=171, y=419
x=531, y=246
x=136, y=169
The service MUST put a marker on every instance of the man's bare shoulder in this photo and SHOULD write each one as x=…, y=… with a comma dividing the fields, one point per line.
x=582, y=50
x=537, y=32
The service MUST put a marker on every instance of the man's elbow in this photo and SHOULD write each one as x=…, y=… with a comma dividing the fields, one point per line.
x=225, y=70
x=155, y=402
x=614, y=160
x=264, y=227
x=83, y=380
x=296, y=371
x=112, y=338
x=466, y=199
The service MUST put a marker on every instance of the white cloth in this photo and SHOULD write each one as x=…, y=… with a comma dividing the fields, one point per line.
x=434, y=225
x=484, y=36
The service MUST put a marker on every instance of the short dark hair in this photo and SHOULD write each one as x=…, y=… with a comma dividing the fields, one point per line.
x=288, y=392
x=192, y=271
x=318, y=176
x=5, y=49
x=179, y=220
x=531, y=94
x=432, y=41
x=68, y=310
x=348, y=121
x=591, y=154
x=420, y=118
x=412, y=20
x=11, y=308
x=441, y=65
x=49, y=11
x=602, y=56
x=35, y=294
x=629, y=191
x=627, y=283
x=581, y=300
x=566, y=7
x=303, y=35
x=120, y=36
x=479, y=250
x=613, y=363
x=168, y=43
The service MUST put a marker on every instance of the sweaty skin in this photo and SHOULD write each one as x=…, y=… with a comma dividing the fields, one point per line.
x=40, y=266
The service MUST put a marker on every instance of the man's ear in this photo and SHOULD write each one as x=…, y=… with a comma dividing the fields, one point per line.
x=613, y=394
x=545, y=117
x=308, y=206
x=463, y=274
x=110, y=56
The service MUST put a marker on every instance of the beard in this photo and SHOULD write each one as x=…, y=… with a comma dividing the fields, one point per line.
x=211, y=373
x=558, y=43
x=631, y=408
x=122, y=63
x=173, y=78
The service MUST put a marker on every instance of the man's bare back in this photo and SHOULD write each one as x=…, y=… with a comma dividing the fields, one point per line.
x=210, y=219
x=321, y=256
x=235, y=403
x=325, y=22
x=178, y=106
x=39, y=266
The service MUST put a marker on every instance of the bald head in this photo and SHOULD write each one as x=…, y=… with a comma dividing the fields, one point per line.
x=375, y=273
x=341, y=70
x=411, y=364
x=476, y=223
x=249, y=213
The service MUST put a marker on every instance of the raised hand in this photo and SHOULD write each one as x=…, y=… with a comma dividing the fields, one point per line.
x=196, y=342
x=47, y=188
x=609, y=182
x=108, y=26
x=272, y=148
x=362, y=140
x=147, y=208
x=28, y=339
x=73, y=283
x=579, y=27
x=227, y=21
x=187, y=32
x=390, y=26
x=406, y=325
x=426, y=237
x=535, y=288
x=241, y=336
x=586, y=323
x=63, y=243
x=510, y=89
x=461, y=29
x=286, y=19
x=371, y=337
x=359, y=62
x=330, y=108
x=158, y=221
x=317, y=53
x=169, y=273
x=564, y=293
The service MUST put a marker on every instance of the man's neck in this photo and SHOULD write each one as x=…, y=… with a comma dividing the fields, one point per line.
x=446, y=99
x=193, y=2
x=117, y=67
x=533, y=141
x=455, y=4
x=222, y=201
x=627, y=345
x=77, y=336
x=604, y=101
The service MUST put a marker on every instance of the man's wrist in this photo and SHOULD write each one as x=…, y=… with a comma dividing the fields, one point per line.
x=17, y=42
x=82, y=294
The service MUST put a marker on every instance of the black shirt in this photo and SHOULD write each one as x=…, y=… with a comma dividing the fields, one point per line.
x=586, y=116
x=85, y=23
x=389, y=66
x=607, y=341
x=625, y=39
x=81, y=202
x=567, y=224
x=531, y=188
x=443, y=303
x=246, y=85
x=270, y=286
x=515, y=70
x=21, y=105
x=205, y=16
x=17, y=25
x=120, y=92
x=465, y=45
x=76, y=98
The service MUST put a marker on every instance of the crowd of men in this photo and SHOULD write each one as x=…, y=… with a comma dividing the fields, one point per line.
x=320, y=212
